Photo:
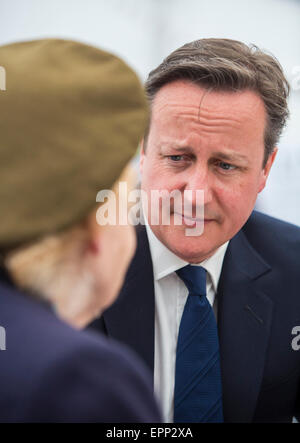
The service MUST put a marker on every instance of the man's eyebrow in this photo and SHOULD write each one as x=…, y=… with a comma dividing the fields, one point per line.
x=230, y=157
x=234, y=156
x=177, y=148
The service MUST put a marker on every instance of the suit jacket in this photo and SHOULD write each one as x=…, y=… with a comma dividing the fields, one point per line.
x=258, y=306
x=51, y=372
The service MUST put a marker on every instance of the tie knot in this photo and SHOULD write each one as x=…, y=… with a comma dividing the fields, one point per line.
x=194, y=277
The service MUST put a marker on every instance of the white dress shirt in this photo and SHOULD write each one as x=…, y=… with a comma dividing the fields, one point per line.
x=170, y=297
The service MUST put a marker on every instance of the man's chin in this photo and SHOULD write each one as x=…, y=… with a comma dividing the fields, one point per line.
x=191, y=249
x=194, y=256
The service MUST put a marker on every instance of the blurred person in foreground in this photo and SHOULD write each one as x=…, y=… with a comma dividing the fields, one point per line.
x=215, y=316
x=71, y=119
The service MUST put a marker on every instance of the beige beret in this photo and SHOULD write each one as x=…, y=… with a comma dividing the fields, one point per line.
x=71, y=118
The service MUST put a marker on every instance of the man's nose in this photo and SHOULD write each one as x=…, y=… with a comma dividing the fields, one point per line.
x=200, y=180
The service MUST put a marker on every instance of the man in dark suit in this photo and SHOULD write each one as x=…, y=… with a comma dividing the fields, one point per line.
x=62, y=116
x=217, y=111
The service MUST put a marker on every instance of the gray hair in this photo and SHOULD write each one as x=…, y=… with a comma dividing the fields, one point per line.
x=229, y=65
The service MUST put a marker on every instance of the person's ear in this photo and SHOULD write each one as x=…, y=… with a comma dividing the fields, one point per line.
x=142, y=155
x=94, y=235
x=266, y=170
x=94, y=246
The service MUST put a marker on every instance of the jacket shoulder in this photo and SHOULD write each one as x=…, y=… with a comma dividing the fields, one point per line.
x=52, y=372
x=275, y=240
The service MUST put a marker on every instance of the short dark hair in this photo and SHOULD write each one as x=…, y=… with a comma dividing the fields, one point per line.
x=229, y=65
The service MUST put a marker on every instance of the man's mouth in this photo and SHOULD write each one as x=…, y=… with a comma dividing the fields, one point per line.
x=190, y=220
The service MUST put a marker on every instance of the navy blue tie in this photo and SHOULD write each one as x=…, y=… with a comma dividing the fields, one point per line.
x=198, y=390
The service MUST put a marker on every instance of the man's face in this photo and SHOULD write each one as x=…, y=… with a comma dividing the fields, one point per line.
x=210, y=141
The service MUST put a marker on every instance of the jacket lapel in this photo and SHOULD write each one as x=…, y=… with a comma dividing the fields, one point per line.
x=244, y=321
x=131, y=318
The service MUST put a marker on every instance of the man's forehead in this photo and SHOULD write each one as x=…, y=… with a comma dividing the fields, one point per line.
x=181, y=98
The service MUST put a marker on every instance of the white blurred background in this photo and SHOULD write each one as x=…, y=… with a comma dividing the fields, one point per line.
x=143, y=32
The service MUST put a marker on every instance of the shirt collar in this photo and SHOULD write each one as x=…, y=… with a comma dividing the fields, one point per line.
x=165, y=261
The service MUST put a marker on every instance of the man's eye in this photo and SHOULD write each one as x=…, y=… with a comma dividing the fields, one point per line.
x=175, y=158
x=226, y=166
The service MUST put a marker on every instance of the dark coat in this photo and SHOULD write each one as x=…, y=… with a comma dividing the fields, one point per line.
x=258, y=306
x=51, y=372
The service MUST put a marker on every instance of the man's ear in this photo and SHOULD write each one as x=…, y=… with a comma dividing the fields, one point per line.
x=266, y=169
